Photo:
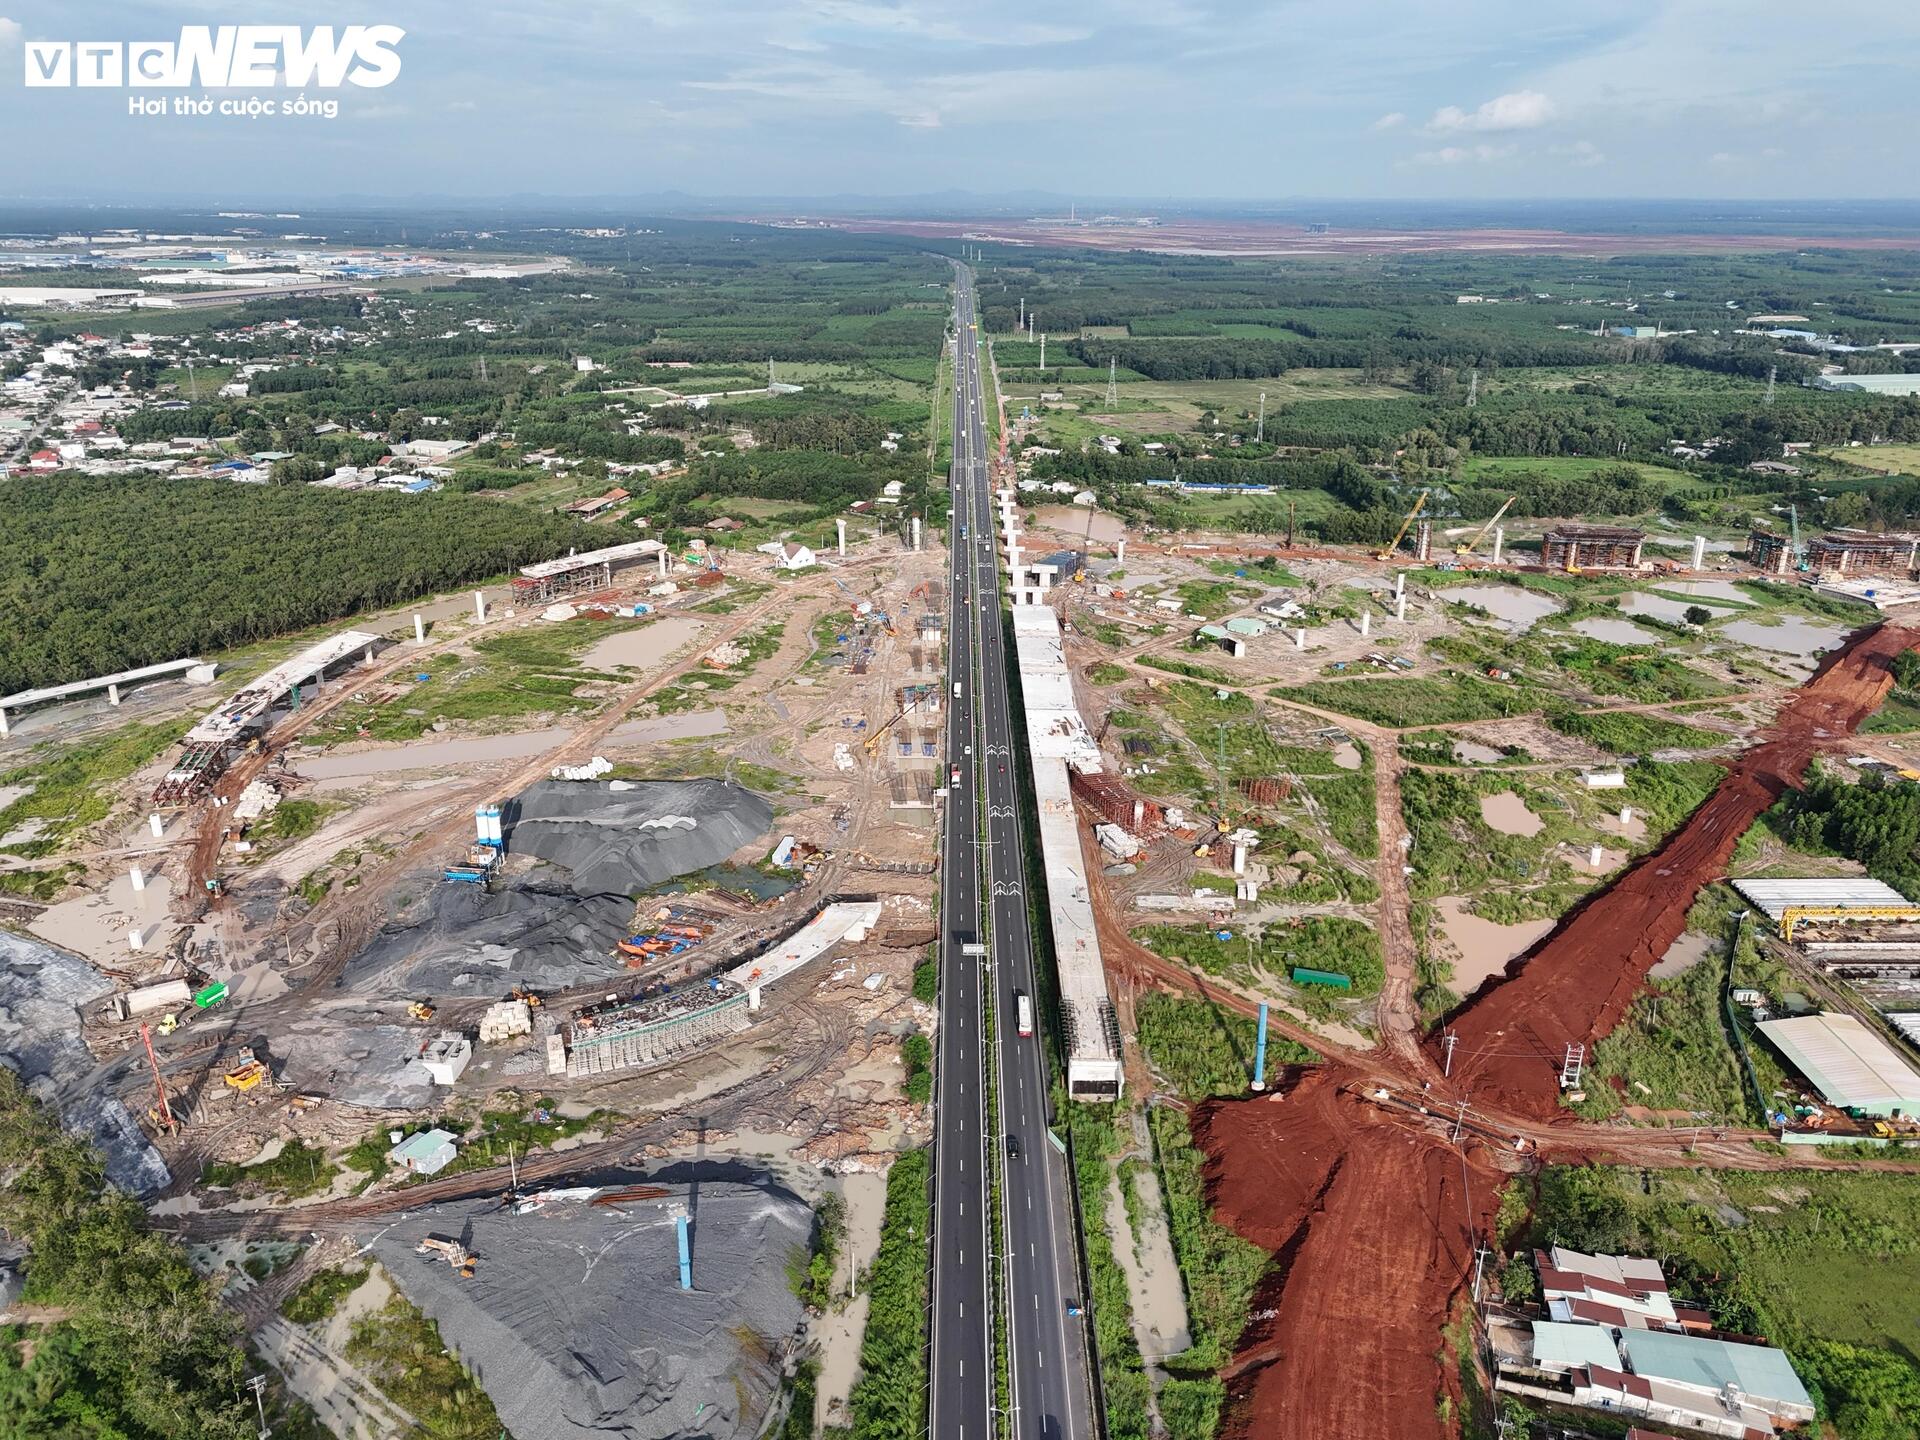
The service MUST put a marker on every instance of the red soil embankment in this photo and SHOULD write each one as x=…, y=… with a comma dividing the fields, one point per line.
x=1576, y=985
x=1372, y=1223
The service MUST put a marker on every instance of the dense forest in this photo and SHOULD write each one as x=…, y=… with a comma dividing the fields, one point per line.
x=144, y=1347
x=101, y=574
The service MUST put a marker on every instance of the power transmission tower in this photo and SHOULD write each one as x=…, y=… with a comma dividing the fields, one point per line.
x=1043, y=352
x=192, y=384
x=1260, y=429
x=1473, y=389
x=1772, y=371
x=1570, y=1066
x=1113, y=388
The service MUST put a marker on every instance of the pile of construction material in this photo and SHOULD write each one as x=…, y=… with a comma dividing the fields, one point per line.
x=638, y=837
x=574, y=1318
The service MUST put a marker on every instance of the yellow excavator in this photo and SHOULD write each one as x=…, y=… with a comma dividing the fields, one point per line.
x=452, y=1251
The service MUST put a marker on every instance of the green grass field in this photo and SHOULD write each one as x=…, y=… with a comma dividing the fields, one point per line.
x=1876, y=459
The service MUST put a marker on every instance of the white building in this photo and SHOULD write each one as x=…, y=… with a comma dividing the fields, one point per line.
x=789, y=554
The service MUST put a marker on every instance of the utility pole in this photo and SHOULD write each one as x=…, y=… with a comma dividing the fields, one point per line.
x=258, y=1384
x=1447, y=1044
x=1459, y=1122
x=1480, y=1253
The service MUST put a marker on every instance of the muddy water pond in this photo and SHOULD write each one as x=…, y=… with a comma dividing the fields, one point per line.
x=1074, y=520
x=641, y=646
x=1472, y=752
x=1716, y=589
x=1517, y=609
x=1686, y=952
x=1485, y=947
x=1614, y=632
x=1794, y=636
x=1661, y=608
x=1508, y=813
x=1347, y=755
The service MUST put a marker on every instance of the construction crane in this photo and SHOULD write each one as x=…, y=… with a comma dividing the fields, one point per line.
x=1467, y=547
x=1405, y=525
x=162, y=1112
x=873, y=740
x=1799, y=550
x=1794, y=915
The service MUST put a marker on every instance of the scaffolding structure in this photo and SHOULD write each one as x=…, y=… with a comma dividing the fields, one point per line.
x=1770, y=552
x=1592, y=547
x=1114, y=801
x=1863, y=552
x=573, y=574
x=655, y=1030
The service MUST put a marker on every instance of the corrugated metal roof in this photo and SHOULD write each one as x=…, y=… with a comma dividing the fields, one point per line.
x=1840, y=892
x=1558, y=1346
x=1850, y=1065
x=1762, y=1373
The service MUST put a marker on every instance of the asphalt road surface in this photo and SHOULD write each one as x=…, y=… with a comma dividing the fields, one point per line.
x=1050, y=1395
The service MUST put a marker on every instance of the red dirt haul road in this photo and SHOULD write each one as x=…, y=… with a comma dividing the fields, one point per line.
x=1372, y=1206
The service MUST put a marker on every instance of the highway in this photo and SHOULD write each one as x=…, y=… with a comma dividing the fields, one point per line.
x=1050, y=1390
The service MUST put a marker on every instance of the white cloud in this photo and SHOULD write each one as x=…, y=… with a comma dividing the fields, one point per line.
x=9, y=33
x=1519, y=110
x=1463, y=155
x=1390, y=121
x=1580, y=152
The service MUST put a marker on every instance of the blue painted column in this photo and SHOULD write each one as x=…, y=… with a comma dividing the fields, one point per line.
x=1260, y=1053
x=686, y=1252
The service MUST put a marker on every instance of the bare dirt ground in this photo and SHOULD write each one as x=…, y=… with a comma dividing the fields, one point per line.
x=1373, y=1205
x=1574, y=987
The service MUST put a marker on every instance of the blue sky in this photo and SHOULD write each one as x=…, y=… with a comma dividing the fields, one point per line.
x=1158, y=99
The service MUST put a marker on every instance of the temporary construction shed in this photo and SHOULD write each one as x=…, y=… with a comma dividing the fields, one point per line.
x=1849, y=1065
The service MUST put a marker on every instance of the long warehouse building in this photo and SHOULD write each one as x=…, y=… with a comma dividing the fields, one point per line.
x=1057, y=738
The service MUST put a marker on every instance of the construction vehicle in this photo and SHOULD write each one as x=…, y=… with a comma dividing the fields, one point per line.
x=161, y=1114
x=461, y=1259
x=1468, y=546
x=420, y=1010
x=1405, y=525
x=530, y=998
x=246, y=1075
